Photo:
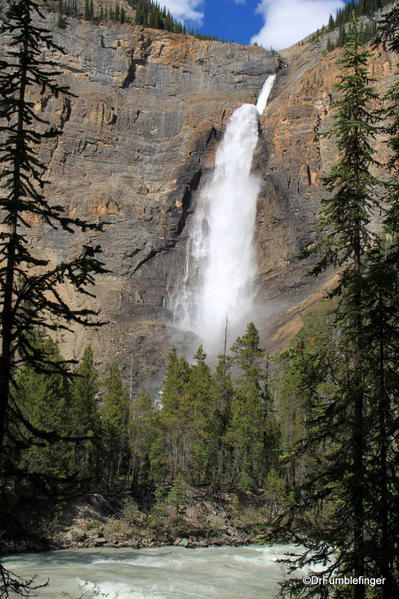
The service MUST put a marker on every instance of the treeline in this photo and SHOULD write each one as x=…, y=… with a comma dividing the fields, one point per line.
x=361, y=8
x=147, y=13
x=367, y=32
x=208, y=427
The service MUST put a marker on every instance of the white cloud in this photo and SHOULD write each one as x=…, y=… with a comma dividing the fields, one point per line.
x=185, y=10
x=288, y=21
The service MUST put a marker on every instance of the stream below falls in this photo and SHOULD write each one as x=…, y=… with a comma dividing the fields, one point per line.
x=251, y=572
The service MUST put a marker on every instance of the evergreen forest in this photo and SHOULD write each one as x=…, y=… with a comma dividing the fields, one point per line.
x=146, y=13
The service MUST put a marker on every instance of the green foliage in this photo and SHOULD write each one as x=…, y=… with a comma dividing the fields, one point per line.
x=114, y=413
x=349, y=381
x=388, y=29
x=175, y=497
x=252, y=430
x=83, y=414
x=30, y=285
x=359, y=8
x=131, y=512
x=146, y=12
x=142, y=439
x=44, y=402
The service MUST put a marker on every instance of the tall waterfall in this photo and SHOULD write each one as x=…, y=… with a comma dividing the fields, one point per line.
x=218, y=282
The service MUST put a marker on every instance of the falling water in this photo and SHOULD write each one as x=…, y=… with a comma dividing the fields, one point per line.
x=218, y=282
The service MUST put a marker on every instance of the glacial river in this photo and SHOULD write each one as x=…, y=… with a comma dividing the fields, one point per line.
x=250, y=572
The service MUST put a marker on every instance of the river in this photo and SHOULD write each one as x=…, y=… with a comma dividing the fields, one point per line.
x=155, y=573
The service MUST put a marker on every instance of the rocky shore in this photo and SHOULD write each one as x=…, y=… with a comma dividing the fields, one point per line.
x=201, y=521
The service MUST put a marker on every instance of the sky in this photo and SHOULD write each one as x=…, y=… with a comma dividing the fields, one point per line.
x=271, y=23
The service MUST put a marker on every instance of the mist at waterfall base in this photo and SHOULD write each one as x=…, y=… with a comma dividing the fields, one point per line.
x=218, y=288
x=156, y=573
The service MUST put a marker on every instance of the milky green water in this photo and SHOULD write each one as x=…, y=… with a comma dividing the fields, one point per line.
x=250, y=572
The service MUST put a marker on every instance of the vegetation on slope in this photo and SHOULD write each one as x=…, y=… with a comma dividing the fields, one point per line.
x=146, y=13
x=364, y=10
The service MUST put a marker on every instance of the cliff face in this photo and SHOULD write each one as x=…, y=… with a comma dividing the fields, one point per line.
x=138, y=138
x=139, y=135
x=293, y=165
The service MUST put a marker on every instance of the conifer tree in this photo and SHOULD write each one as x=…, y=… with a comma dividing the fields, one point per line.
x=343, y=419
x=222, y=402
x=142, y=436
x=45, y=399
x=30, y=289
x=84, y=415
x=383, y=336
x=247, y=430
x=198, y=403
x=114, y=425
x=171, y=449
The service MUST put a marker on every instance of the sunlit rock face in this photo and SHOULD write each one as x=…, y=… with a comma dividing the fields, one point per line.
x=293, y=159
x=138, y=137
x=139, y=140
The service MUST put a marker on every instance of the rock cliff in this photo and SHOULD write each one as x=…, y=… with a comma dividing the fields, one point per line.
x=296, y=160
x=139, y=136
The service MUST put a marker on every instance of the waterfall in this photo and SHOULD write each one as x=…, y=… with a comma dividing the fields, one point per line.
x=219, y=278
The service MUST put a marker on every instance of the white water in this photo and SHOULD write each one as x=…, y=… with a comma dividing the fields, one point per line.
x=157, y=573
x=219, y=278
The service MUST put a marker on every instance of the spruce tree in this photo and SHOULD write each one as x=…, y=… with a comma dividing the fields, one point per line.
x=115, y=426
x=84, y=415
x=171, y=448
x=247, y=430
x=198, y=403
x=45, y=400
x=30, y=289
x=346, y=220
x=142, y=436
x=342, y=418
x=222, y=407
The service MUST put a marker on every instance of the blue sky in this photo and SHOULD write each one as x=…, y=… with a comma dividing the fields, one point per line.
x=271, y=23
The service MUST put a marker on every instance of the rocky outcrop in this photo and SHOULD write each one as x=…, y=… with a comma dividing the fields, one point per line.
x=293, y=160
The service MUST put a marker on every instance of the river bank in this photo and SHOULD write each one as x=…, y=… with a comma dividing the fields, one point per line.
x=201, y=519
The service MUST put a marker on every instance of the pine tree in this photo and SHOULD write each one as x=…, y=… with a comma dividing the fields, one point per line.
x=197, y=402
x=44, y=402
x=247, y=430
x=142, y=435
x=383, y=336
x=84, y=415
x=170, y=455
x=343, y=477
x=388, y=29
x=30, y=289
x=175, y=497
x=222, y=408
x=114, y=425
